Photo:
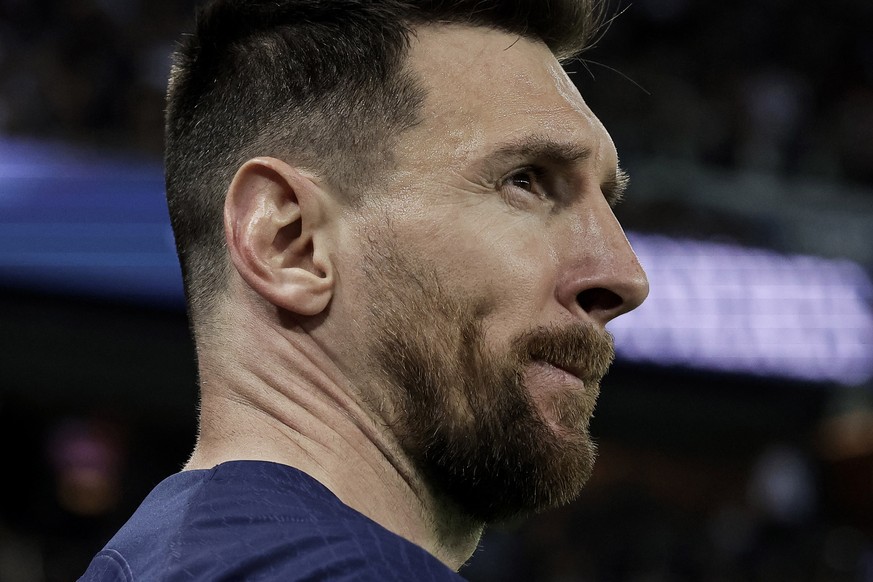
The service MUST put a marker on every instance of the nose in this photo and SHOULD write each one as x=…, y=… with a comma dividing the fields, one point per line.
x=603, y=278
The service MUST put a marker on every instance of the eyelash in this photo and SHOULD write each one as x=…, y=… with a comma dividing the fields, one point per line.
x=536, y=174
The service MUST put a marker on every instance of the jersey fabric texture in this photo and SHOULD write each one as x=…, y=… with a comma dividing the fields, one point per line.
x=254, y=520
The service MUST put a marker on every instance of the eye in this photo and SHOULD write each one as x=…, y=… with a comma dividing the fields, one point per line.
x=523, y=179
x=528, y=179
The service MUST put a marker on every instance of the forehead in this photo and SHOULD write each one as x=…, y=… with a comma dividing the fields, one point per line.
x=486, y=88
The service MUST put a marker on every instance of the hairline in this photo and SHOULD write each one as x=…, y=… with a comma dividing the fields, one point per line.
x=339, y=174
x=267, y=139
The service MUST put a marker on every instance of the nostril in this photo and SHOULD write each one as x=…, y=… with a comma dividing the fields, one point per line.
x=598, y=299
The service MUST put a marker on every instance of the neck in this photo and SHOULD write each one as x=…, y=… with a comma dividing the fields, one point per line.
x=288, y=403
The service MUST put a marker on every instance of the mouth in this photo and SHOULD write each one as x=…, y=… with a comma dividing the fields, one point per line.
x=574, y=371
x=561, y=395
x=574, y=374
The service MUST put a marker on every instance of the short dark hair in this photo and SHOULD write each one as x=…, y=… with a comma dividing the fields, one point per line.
x=318, y=83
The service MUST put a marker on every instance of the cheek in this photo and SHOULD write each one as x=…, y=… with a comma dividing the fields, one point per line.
x=510, y=267
x=506, y=263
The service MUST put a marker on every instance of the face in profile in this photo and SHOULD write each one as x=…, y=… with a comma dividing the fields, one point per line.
x=492, y=263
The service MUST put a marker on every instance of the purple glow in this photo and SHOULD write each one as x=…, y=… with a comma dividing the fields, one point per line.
x=725, y=307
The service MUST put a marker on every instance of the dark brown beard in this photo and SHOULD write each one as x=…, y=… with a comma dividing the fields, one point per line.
x=463, y=413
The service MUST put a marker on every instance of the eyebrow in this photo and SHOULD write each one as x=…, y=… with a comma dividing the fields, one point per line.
x=544, y=150
x=537, y=148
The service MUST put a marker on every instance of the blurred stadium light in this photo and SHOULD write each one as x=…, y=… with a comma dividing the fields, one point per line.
x=80, y=223
x=724, y=307
x=94, y=225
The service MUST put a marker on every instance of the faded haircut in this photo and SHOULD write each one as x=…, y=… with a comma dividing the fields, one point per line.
x=320, y=84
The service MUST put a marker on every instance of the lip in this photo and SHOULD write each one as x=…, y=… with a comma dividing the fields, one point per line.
x=575, y=372
x=570, y=371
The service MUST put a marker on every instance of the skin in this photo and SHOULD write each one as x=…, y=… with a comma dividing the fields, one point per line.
x=283, y=374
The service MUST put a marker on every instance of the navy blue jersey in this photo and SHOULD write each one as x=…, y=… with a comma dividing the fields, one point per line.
x=254, y=520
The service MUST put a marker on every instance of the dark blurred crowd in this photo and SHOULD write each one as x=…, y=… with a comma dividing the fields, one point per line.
x=778, y=86
x=88, y=71
x=773, y=85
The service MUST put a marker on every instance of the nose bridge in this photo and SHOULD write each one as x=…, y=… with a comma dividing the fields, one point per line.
x=603, y=277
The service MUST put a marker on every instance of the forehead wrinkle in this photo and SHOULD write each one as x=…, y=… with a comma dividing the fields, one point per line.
x=472, y=106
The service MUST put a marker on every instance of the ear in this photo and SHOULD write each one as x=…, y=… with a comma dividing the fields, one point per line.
x=274, y=220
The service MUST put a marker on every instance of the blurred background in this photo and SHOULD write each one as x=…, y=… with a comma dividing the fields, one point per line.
x=736, y=428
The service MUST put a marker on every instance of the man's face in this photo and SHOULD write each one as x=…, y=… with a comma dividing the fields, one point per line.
x=491, y=264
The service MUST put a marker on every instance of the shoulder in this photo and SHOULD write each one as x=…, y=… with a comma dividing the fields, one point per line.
x=257, y=521
x=108, y=566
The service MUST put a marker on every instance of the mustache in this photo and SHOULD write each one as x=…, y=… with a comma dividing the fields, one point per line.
x=581, y=349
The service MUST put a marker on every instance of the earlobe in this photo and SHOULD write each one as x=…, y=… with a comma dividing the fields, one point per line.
x=275, y=219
